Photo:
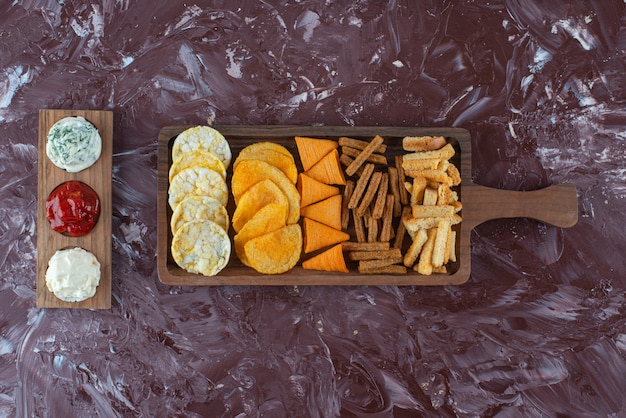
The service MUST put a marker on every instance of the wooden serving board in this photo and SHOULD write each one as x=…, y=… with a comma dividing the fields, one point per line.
x=98, y=240
x=556, y=205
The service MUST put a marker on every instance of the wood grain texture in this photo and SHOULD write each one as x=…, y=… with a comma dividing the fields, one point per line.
x=556, y=205
x=98, y=240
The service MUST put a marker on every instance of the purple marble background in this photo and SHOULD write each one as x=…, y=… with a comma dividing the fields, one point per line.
x=539, y=329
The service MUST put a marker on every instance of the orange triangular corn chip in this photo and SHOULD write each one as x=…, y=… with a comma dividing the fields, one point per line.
x=327, y=211
x=330, y=260
x=317, y=235
x=328, y=170
x=312, y=150
x=312, y=191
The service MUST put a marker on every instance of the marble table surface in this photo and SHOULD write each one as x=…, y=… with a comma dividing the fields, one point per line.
x=538, y=330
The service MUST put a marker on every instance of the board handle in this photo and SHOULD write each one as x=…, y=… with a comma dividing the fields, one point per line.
x=555, y=205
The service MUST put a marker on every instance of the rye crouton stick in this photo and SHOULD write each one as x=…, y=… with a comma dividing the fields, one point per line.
x=360, y=159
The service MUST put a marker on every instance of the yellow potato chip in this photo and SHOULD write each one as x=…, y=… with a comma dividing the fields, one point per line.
x=202, y=138
x=275, y=252
x=269, y=218
x=201, y=247
x=250, y=172
x=197, y=159
x=199, y=208
x=197, y=181
x=271, y=154
x=259, y=195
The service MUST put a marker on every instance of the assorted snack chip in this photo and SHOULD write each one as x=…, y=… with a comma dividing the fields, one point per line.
x=349, y=200
x=202, y=138
x=201, y=246
x=250, y=172
x=323, y=205
x=269, y=238
x=197, y=195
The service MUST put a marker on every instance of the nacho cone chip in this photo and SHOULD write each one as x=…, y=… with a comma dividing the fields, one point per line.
x=327, y=211
x=317, y=235
x=312, y=191
x=329, y=260
x=327, y=169
x=312, y=150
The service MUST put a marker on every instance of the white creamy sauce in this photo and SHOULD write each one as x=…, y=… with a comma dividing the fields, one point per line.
x=73, y=274
x=74, y=144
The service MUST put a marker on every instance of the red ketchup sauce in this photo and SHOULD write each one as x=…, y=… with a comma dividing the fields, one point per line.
x=73, y=208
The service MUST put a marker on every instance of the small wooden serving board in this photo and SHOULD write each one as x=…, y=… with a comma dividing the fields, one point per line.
x=98, y=240
x=556, y=205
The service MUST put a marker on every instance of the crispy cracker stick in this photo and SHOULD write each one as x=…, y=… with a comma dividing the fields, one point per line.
x=381, y=197
x=358, y=144
x=439, y=247
x=367, y=264
x=372, y=229
x=391, y=269
x=422, y=143
x=395, y=190
x=444, y=195
x=416, y=165
x=360, y=159
x=443, y=165
x=454, y=174
x=369, y=193
x=359, y=228
x=361, y=185
x=421, y=211
x=417, y=191
x=446, y=255
x=364, y=246
x=345, y=211
x=415, y=248
x=452, y=246
x=430, y=197
x=374, y=255
x=404, y=194
x=387, y=229
x=413, y=224
x=372, y=158
x=398, y=242
x=431, y=175
x=444, y=153
x=424, y=265
x=346, y=160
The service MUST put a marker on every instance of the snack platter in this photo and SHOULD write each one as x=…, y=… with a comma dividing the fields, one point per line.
x=555, y=205
x=98, y=240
